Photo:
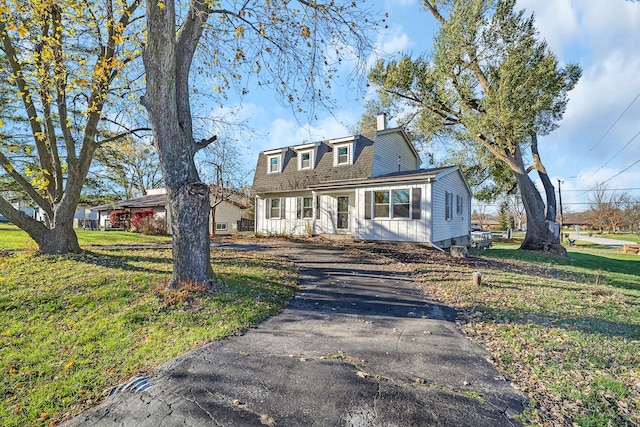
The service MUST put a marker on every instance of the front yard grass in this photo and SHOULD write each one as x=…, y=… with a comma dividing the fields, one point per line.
x=566, y=330
x=13, y=238
x=73, y=326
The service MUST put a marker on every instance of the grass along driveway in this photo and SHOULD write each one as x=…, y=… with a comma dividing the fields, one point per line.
x=73, y=326
x=567, y=330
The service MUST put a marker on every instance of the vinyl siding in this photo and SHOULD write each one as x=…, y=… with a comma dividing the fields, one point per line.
x=228, y=213
x=396, y=229
x=291, y=225
x=458, y=227
x=387, y=148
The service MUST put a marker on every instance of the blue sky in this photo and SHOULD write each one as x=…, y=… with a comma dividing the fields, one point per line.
x=589, y=147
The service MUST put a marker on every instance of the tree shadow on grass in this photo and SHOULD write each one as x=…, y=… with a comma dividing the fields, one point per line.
x=585, y=324
x=126, y=261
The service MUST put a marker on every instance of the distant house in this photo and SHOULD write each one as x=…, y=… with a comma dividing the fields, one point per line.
x=228, y=211
x=368, y=186
x=228, y=207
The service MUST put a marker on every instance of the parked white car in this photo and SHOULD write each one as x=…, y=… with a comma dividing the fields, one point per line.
x=481, y=239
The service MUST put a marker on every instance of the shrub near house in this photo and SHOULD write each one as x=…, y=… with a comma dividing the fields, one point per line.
x=137, y=216
x=120, y=219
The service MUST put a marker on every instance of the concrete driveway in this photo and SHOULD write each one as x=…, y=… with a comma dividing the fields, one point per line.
x=599, y=240
x=359, y=346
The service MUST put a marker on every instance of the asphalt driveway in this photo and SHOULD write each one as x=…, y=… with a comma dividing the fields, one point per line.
x=360, y=345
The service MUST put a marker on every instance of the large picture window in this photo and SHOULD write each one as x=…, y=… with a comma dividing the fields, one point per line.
x=392, y=204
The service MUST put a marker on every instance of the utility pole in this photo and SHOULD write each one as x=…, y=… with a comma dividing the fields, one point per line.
x=560, y=199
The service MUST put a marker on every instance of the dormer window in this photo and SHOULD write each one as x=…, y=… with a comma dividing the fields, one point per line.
x=305, y=160
x=306, y=155
x=343, y=150
x=275, y=159
x=343, y=155
x=274, y=164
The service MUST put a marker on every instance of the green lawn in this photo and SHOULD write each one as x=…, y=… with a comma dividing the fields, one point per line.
x=12, y=238
x=567, y=330
x=73, y=326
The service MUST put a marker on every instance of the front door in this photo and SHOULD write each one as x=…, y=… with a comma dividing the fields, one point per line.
x=343, y=213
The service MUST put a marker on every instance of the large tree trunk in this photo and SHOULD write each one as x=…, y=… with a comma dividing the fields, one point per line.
x=549, y=189
x=539, y=235
x=167, y=101
x=60, y=239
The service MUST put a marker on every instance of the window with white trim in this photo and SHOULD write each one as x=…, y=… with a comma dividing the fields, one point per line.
x=307, y=207
x=448, y=205
x=222, y=226
x=381, y=204
x=400, y=202
x=273, y=164
x=459, y=204
x=305, y=160
x=343, y=155
x=275, y=208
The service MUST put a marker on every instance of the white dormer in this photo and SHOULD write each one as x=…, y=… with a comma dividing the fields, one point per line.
x=275, y=158
x=307, y=155
x=343, y=150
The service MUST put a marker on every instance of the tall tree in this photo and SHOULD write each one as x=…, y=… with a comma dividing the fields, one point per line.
x=492, y=84
x=607, y=208
x=62, y=60
x=127, y=167
x=291, y=46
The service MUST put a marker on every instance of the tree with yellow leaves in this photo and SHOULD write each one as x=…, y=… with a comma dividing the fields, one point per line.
x=62, y=59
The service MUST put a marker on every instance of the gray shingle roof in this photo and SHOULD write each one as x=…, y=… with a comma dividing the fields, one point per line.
x=148, y=201
x=292, y=179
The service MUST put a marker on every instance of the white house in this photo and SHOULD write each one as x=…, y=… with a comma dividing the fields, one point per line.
x=228, y=209
x=369, y=186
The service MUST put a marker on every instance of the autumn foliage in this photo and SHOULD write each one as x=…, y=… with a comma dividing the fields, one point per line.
x=138, y=215
x=120, y=219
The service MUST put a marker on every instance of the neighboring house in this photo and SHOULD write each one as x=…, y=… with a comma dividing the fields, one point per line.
x=368, y=186
x=227, y=208
x=102, y=212
x=227, y=212
x=155, y=199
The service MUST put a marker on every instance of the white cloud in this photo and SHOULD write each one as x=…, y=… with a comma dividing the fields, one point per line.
x=398, y=42
x=285, y=133
x=557, y=21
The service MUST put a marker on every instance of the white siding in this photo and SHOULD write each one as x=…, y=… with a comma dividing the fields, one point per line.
x=396, y=229
x=226, y=213
x=457, y=227
x=291, y=225
x=388, y=147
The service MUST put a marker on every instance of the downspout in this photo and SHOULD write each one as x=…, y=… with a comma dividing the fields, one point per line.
x=433, y=245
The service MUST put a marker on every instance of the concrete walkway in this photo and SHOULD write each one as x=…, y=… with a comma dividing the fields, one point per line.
x=359, y=346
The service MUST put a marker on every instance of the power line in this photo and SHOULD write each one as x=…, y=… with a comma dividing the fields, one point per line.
x=609, y=189
x=619, y=151
x=619, y=173
x=611, y=127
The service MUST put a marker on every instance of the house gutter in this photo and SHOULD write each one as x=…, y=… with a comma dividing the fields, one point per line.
x=368, y=182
